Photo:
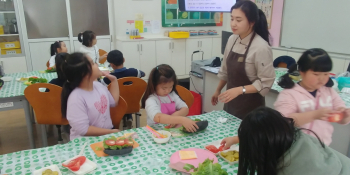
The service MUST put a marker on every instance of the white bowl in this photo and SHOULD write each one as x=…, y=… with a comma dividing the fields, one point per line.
x=231, y=163
x=162, y=140
x=6, y=78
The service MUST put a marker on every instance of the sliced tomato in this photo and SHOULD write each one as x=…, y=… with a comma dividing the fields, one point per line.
x=212, y=148
x=128, y=142
x=336, y=117
x=167, y=127
x=110, y=142
x=120, y=142
x=70, y=163
x=79, y=160
x=221, y=148
x=75, y=167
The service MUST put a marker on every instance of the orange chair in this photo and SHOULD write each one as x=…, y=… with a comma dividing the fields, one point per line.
x=186, y=95
x=118, y=112
x=132, y=90
x=102, y=52
x=47, y=107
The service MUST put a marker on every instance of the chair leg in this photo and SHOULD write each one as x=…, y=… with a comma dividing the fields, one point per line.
x=44, y=135
x=60, y=140
x=137, y=119
x=32, y=115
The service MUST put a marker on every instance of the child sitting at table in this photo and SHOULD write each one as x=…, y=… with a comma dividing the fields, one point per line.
x=85, y=102
x=162, y=102
x=89, y=47
x=312, y=101
x=116, y=60
x=270, y=144
x=56, y=48
x=59, y=60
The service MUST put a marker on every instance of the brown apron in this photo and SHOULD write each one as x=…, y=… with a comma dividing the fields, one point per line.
x=236, y=77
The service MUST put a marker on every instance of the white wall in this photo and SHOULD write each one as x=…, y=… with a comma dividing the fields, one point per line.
x=127, y=9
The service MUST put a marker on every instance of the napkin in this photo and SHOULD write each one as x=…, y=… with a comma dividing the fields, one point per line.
x=222, y=120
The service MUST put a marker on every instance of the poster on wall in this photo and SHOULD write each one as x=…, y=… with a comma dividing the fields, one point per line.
x=266, y=6
x=173, y=17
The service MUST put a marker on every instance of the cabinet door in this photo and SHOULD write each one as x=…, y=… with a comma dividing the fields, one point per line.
x=178, y=58
x=191, y=46
x=338, y=65
x=163, y=52
x=14, y=64
x=206, y=45
x=40, y=53
x=131, y=54
x=216, y=51
x=147, y=56
x=277, y=53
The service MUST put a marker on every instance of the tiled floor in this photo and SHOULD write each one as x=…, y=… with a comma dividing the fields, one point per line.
x=13, y=132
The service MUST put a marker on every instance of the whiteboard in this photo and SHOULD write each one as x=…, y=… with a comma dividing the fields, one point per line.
x=317, y=24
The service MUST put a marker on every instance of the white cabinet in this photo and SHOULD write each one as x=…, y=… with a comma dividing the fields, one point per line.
x=216, y=50
x=198, y=44
x=40, y=53
x=14, y=64
x=338, y=65
x=139, y=55
x=173, y=53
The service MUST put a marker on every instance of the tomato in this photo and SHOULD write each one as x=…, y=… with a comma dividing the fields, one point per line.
x=221, y=148
x=76, y=163
x=120, y=142
x=212, y=148
x=110, y=142
x=167, y=127
x=336, y=117
x=49, y=68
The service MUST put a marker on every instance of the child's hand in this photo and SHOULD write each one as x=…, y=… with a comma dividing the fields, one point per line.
x=229, y=141
x=189, y=124
x=346, y=113
x=104, y=56
x=323, y=114
x=109, y=76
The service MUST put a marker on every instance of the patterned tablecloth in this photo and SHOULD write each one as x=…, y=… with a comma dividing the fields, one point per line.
x=16, y=88
x=149, y=158
x=279, y=73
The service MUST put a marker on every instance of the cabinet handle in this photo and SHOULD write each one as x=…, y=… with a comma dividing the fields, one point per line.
x=198, y=43
x=201, y=43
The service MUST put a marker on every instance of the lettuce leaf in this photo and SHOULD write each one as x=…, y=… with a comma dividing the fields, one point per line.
x=188, y=167
x=208, y=168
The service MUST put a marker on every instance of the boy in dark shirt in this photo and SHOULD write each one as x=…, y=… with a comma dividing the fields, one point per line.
x=116, y=60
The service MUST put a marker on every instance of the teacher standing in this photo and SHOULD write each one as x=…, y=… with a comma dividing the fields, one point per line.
x=247, y=67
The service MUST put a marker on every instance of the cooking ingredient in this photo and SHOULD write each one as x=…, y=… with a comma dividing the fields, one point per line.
x=49, y=172
x=231, y=156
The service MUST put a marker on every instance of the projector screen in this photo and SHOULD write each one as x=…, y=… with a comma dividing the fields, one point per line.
x=206, y=5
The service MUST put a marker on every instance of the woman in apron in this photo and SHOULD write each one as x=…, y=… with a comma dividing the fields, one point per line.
x=247, y=67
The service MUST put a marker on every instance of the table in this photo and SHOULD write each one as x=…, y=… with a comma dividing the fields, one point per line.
x=149, y=158
x=12, y=97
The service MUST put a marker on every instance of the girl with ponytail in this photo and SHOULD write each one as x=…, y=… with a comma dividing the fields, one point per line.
x=85, y=102
x=247, y=68
x=312, y=101
x=89, y=47
x=56, y=48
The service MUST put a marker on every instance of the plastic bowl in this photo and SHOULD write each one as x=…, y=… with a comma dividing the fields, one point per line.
x=123, y=151
x=162, y=140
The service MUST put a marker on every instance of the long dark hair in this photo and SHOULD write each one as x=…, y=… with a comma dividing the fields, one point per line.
x=59, y=60
x=86, y=38
x=161, y=74
x=256, y=16
x=56, y=45
x=316, y=60
x=264, y=138
x=75, y=68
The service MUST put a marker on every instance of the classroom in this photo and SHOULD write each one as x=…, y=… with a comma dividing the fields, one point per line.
x=181, y=87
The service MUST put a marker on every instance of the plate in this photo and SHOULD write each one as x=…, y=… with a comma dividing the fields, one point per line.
x=6, y=78
x=87, y=167
x=217, y=145
x=201, y=156
x=231, y=163
x=52, y=167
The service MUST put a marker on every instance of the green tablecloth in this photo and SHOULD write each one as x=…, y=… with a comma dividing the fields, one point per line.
x=149, y=158
x=279, y=73
x=16, y=88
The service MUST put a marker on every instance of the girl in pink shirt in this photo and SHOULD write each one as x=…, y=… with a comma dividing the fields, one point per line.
x=86, y=102
x=312, y=101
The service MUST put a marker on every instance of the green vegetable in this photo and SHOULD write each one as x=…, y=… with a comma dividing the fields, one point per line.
x=50, y=69
x=188, y=167
x=207, y=167
x=197, y=120
x=34, y=80
x=98, y=148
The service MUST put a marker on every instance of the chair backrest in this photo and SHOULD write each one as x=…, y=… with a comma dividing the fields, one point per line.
x=46, y=105
x=132, y=90
x=186, y=95
x=102, y=52
x=48, y=64
x=118, y=112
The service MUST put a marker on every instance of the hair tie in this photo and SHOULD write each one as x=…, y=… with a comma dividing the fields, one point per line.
x=157, y=67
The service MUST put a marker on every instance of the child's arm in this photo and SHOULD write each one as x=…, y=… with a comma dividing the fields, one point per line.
x=114, y=87
x=339, y=106
x=182, y=112
x=229, y=141
x=96, y=131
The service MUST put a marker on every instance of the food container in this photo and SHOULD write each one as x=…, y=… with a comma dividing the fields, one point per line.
x=162, y=140
x=202, y=32
x=52, y=167
x=231, y=163
x=104, y=69
x=193, y=33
